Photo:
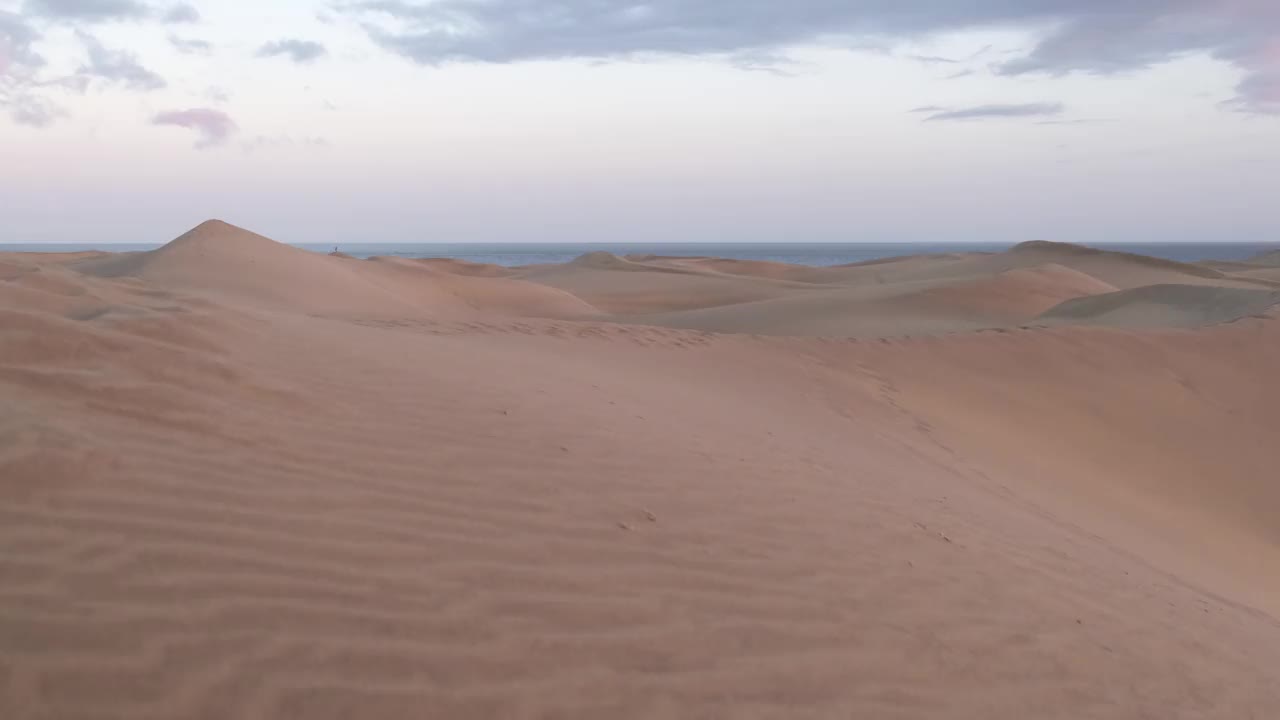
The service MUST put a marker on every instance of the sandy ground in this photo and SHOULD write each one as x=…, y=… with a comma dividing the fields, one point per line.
x=238, y=480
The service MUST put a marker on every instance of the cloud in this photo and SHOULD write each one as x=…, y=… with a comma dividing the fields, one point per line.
x=20, y=86
x=766, y=62
x=16, y=41
x=933, y=59
x=87, y=10
x=181, y=13
x=213, y=126
x=1094, y=36
x=989, y=112
x=117, y=66
x=1260, y=91
x=300, y=51
x=34, y=111
x=191, y=46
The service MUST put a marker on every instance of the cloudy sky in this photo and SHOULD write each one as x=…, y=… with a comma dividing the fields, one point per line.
x=641, y=120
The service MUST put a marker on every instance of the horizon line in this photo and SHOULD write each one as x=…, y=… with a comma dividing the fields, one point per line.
x=533, y=243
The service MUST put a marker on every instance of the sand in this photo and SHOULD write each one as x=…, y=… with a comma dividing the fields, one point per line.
x=1270, y=259
x=241, y=481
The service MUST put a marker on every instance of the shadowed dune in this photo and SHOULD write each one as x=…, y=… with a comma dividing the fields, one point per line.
x=1270, y=259
x=463, y=267
x=899, y=308
x=1165, y=306
x=900, y=296
x=756, y=268
x=1122, y=270
x=1013, y=294
x=239, y=480
x=622, y=286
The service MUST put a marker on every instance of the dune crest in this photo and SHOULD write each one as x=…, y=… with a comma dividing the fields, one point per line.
x=233, y=265
x=1018, y=294
x=1045, y=248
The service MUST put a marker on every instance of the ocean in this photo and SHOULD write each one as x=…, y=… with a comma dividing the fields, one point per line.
x=817, y=254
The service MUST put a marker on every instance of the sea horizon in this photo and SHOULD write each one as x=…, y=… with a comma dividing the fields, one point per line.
x=796, y=253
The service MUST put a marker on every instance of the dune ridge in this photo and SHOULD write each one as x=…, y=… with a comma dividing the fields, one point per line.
x=224, y=493
x=1166, y=306
x=1071, y=249
x=237, y=265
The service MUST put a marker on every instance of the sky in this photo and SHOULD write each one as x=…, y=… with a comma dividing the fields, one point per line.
x=641, y=120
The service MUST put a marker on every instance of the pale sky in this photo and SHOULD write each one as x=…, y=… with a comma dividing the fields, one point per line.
x=641, y=120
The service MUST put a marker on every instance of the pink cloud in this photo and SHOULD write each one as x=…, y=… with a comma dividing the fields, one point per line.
x=214, y=126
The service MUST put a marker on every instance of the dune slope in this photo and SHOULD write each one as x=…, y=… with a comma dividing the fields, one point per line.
x=1270, y=259
x=1166, y=306
x=233, y=265
x=216, y=501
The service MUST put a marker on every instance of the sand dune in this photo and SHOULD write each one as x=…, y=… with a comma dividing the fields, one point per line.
x=1271, y=259
x=851, y=313
x=756, y=268
x=925, y=295
x=1069, y=250
x=423, y=283
x=1269, y=276
x=609, y=261
x=1165, y=306
x=647, y=288
x=235, y=264
x=463, y=267
x=1121, y=270
x=1015, y=294
x=227, y=493
x=893, y=309
x=238, y=266
x=1160, y=440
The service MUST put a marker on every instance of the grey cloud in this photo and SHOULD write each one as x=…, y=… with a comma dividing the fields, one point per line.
x=300, y=51
x=933, y=59
x=117, y=66
x=190, y=46
x=927, y=109
x=1097, y=36
x=20, y=86
x=1259, y=92
x=214, y=127
x=756, y=61
x=34, y=111
x=181, y=13
x=16, y=40
x=988, y=112
x=74, y=83
x=87, y=10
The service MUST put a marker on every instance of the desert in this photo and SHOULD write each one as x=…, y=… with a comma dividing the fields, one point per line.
x=243, y=480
